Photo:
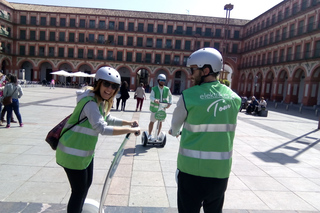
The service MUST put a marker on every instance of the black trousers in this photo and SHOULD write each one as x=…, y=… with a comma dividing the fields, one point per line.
x=195, y=191
x=80, y=182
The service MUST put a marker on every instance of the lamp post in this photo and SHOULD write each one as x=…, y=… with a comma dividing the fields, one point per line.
x=227, y=8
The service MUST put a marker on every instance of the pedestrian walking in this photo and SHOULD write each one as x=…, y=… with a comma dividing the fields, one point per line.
x=124, y=95
x=2, y=79
x=140, y=95
x=14, y=90
x=52, y=83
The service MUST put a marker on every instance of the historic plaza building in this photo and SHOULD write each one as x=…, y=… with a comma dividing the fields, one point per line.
x=275, y=55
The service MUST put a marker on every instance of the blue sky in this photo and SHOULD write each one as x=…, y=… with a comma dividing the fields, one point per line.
x=243, y=9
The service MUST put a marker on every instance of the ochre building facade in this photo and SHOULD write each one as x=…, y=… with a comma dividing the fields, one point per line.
x=275, y=55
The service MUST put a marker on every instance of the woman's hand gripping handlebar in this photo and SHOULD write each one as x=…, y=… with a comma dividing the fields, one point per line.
x=135, y=128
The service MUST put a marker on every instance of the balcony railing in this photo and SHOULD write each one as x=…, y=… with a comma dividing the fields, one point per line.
x=5, y=15
x=301, y=8
x=303, y=31
x=293, y=57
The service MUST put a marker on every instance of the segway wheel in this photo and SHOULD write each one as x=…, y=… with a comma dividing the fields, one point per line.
x=90, y=206
x=164, y=141
x=144, y=139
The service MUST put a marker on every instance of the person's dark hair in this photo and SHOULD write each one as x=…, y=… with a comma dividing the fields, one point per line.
x=125, y=84
x=214, y=74
x=141, y=84
x=8, y=76
x=13, y=79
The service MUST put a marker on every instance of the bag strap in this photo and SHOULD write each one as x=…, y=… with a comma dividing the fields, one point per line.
x=83, y=119
x=13, y=91
x=79, y=121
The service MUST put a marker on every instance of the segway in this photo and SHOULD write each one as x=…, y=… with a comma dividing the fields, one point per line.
x=92, y=206
x=160, y=139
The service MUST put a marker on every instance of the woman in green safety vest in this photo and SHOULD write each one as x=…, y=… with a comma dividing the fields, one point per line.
x=207, y=113
x=75, y=151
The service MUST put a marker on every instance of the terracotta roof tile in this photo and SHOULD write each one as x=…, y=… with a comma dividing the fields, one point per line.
x=124, y=13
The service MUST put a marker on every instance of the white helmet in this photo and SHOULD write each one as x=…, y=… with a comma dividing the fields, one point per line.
x=108, y=74
x=162, y=77
x=205, y=56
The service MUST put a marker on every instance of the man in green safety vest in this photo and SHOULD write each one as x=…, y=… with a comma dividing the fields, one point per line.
x=159, y=94
x=207, y=113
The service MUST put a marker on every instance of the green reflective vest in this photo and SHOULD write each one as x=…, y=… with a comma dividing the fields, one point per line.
x=208, y=132
x=154, y=106
x=76, y=147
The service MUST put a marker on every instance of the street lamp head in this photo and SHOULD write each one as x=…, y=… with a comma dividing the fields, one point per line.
x=228, y=7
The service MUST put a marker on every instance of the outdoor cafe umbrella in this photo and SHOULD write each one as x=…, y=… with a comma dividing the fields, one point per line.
x=62, y=73
x=79, y=75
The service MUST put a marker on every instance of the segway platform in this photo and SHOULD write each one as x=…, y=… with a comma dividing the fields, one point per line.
x=160, y=139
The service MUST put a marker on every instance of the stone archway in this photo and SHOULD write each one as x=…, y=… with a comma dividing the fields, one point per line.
x=249, y=85
x=315, y=88
x=28, y=70
x=179, y=82
x=45, y=70
x=242, y=85
x=62, y=79
x=143, y=77
x=66, y=67
x=86, y=69
x=298, y=84
x=268, y=85
x=257, y=85
x=4, y=65
x=125, y=75
x=282, y=86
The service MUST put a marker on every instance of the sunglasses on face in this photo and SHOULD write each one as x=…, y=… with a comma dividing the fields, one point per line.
x=108, y=84
x=162, y=80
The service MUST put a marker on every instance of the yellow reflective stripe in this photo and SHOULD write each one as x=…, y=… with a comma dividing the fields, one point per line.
x=210, y=127
x=84, y=130
x=73, y=151
x=205, y=155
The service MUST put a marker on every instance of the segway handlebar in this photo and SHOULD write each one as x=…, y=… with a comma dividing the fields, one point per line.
x=111, y=171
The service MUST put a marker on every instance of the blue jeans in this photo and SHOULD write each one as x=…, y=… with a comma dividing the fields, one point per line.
x=15, y=107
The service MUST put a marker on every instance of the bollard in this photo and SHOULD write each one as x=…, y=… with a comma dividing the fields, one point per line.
x=287, y=107
x=275, y=106
x=300, y=109
x=319, y=123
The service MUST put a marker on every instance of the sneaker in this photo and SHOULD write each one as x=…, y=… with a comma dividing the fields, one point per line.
x=21, y=125
x=150, y=138
x=8, y=126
